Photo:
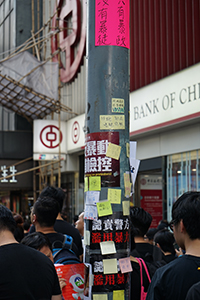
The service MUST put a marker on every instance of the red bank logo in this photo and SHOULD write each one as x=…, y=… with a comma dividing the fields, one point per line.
x=75, y=132
x=49, y=136
x=72, y=23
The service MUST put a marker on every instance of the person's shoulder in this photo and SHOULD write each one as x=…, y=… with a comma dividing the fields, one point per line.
x=194, y=292
x=66, y=228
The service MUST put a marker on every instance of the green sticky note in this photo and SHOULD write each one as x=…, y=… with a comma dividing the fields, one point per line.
x=95, y=183
x=104, y=208
x=110, y=266
x=114, y=196
x=100, y=297
x=118, y=295
x=126, y=208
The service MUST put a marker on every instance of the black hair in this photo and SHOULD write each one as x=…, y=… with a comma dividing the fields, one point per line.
x=53, y=192
x=7, y=221
x=36, y=240
x=151, y=233
x=46, y=210
x=163, y=224
x=140, y=221
x=26, y=225
x=166, y=240
x=187, y=209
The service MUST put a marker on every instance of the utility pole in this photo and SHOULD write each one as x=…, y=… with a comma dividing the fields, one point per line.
x=107, y=179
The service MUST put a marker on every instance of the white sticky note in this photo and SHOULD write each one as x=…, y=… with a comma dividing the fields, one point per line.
x=107, y=247
x=86, y=237
x=90, y=212
x=92, y=197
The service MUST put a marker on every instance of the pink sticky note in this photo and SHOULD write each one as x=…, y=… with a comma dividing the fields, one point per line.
x=112, y=23
x=125, y=265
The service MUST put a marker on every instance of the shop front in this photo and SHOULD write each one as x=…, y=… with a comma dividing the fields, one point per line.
x=16, y=191
x=164, y=120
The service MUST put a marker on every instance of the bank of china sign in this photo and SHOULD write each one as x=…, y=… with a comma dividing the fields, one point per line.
x=171, y=100
x=47, y=138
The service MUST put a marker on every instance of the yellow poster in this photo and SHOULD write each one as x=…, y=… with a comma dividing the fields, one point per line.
x=112, y=122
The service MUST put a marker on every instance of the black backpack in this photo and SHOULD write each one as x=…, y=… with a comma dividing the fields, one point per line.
x=62, y=252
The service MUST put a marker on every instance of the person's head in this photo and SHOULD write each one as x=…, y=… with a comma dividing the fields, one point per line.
x=150, y=235
x=40, y=242
x=56, y=193
x=7, y=221
x=45, y=211
x=163, y=224
x=26, y=225
x=19, y=230
x=186, y=217
x=80, y=223
x=140, y=221
x=164, y=239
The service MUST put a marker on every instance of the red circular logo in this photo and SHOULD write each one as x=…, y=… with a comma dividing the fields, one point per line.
x=72, y=21
x=143, y=181
x=50, y=137
x=75, y=132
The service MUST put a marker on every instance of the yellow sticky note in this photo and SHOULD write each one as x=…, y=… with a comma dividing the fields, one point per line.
x=114, y=196
x=100, y=297
x=126, y=180
x=113, y=151
x=107, y=247
x=85, y=184
x=95, y=183
x=110, y=266
x=104, y=208
x=118, y=295
x=112, y=122
x=127, y=149
x=126, y=208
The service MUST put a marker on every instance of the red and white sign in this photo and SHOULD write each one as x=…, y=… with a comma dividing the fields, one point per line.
x=51, y=136
x=96, y=161
x=151, y=197
x=75, y=134
x=46, y=139
x=72, y=40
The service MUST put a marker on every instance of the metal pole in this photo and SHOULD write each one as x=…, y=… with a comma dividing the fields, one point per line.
x=107, y=123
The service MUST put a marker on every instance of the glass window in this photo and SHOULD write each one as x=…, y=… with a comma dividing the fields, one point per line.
x=183, y=175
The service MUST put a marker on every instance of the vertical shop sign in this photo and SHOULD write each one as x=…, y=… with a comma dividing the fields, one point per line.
x=151, y=197
x=96, y=161
x=107, y=32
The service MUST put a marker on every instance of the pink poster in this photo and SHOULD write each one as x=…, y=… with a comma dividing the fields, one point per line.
x=112, y=23
x=151, y=197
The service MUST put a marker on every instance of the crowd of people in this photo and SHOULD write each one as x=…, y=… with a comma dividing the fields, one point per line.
x=165, y=260
x=172, y=258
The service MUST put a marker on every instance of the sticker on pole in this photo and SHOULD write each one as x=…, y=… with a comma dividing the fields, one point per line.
x=112, y=23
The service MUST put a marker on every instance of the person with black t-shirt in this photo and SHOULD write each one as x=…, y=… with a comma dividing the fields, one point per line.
x=164, y=239
x=173, y=281
x=25, y=273
x=60, y=225
x=140, y=221
x=45, y=211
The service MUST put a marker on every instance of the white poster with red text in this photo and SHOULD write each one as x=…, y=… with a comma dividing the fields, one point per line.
x=151, y=197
